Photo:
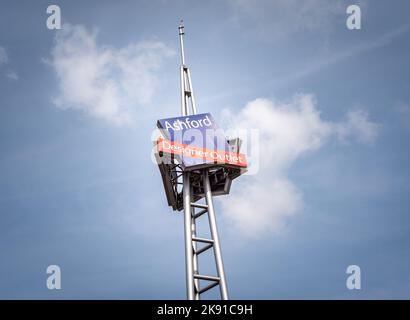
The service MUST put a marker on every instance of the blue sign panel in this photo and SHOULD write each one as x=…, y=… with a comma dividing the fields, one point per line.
x=198, y=132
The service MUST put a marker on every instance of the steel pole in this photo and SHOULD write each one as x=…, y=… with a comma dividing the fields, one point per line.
x=214, y=232
x=188, y=238
x=189, y=226
x=194, y=251
x=191, y=88
x=184, y=110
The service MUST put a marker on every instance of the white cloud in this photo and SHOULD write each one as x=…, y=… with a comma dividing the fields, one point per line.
x=323, y=62
x=276, y=19
x=403, y=110
x=12, y=75
x=3, y=56
x=263, y=202
x=357, y=126
x=4, y=59
x=105, y=82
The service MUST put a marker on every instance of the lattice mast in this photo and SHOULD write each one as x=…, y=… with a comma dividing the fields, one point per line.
x=193, y=210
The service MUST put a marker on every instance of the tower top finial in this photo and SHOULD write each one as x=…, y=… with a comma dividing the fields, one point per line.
x=181, y=27
x=181, y=41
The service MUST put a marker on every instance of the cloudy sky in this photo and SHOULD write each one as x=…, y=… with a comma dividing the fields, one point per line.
x=330, y=189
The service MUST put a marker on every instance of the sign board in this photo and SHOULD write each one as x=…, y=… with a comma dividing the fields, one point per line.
x=196, y=140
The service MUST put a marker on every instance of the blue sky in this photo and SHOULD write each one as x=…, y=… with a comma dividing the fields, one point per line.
x=78, y=106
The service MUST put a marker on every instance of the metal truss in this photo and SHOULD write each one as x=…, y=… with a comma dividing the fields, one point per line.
x=196, y=184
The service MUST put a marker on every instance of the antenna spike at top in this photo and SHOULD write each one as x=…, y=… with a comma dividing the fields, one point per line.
x=181, y=41
x=181, y=27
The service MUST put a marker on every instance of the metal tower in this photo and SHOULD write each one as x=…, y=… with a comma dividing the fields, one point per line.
x=192, y=210
x=191, y=187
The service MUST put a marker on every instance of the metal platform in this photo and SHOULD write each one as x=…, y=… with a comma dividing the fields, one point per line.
x=220, y=177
